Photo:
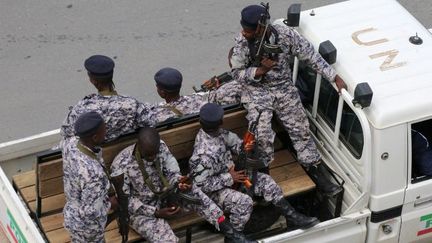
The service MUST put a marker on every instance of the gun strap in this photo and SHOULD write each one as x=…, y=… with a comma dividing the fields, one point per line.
x=87, y=151
x=146, y=176
x=174, y=109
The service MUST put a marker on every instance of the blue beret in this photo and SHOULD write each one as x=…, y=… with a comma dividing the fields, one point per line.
x=99, y=65
x=250, y=16
x=211, y=114
x=169, y=79
x=88, y=123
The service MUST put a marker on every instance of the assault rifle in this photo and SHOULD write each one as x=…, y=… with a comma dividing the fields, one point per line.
x=122, y=209
x=249, y=157
x=172, y=195
x=214, y=83
x=263, y=47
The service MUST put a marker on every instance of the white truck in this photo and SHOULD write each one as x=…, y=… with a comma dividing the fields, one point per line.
x=364, y=134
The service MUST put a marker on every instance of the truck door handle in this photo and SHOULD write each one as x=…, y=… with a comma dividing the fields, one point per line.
x=419, y=203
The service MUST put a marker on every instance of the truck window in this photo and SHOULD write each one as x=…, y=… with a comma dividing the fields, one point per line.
x=421, y=151
x=351, y=133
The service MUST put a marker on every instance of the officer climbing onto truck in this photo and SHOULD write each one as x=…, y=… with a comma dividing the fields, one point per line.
x=268, y=80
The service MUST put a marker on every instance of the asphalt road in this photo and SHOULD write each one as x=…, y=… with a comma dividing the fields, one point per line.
x=43, y=44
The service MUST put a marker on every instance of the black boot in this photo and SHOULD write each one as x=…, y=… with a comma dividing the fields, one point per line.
x=295, y=218
x=232, y=235
x=320, y=175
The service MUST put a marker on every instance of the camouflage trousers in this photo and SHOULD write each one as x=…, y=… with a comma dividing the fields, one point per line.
x=239, y=206
x=284, y=101
x=266, y=187
x=229, y=93
x=87, y=237
x=158, y=230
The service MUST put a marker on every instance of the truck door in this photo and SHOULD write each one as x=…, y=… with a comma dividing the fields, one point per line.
x=417, y=208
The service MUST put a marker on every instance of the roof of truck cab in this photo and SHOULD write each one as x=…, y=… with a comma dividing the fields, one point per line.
x=402, y=90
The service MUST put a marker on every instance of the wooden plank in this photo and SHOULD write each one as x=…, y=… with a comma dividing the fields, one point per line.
x=24, y=179
x=28, y=193
x=110, y=152
x=282, y=157
x=115, y=237
x=50, y=169
x=296, y=185
x=52, y=222
x=59, y=235
x=49, y=204
x=286, y=172
x=51, y=187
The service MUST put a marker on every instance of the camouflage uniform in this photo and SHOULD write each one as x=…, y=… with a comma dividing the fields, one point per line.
x=86, y=188
x=143, y=202
x=211, y=160
x=275, y=92
x=122, y=114
x=228, y=93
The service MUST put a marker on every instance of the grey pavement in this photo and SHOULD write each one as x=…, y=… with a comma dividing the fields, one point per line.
x=43, y=44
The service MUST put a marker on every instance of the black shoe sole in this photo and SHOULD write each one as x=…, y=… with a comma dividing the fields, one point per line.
x=310, y=225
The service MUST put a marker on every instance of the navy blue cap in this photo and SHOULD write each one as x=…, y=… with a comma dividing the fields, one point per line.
x=211, y=114
x=169, y=79
x=88, y=123
x=250, y=16
x=99, y=65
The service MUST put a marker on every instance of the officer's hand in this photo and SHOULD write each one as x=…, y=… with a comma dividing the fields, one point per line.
x=238, y=176
x=340, y=83
x=167, y=213
x=114, y=203
x=268, y=63
x=249, y=146
x=184, y=184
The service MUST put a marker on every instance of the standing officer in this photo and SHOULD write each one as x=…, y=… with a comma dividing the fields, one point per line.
x=212, y=157
x=86, y=183
x=168, y=84
x=150, y=169
x=123, y=114
x=271, y=89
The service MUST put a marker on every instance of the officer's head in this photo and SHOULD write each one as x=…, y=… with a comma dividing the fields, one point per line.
x=90, y=128
x=168, y=82
x=211, y=118
x=250, y=17
x=100, y=70
x=148, y=143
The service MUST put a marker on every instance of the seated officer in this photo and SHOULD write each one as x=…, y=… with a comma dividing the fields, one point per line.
x=149, y=169
x=212, y=161
x=168, y=84
x=86, y=184
x=123, y=114
x=421, y=154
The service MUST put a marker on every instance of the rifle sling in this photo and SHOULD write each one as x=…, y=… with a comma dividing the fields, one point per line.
x=145, y=175
x=87, y=151
x=174, y=109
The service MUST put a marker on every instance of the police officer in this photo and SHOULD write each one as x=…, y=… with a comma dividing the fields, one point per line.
x=86, y=183
x=271, y=89
x=149, y=168
x=212, y=157
x=123, y=114
x=168, y=84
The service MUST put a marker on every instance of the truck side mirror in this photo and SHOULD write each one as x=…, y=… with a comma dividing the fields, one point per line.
x=362, y=95
x=293, y=15
x=328, y=51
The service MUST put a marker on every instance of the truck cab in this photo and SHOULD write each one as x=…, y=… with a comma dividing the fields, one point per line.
x=382, y=47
